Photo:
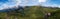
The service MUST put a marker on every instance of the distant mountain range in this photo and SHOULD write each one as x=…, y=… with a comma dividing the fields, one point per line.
x=9, y=9
x=20, y=7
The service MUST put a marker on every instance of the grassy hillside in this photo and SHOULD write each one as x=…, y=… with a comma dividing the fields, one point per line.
x=34, y=12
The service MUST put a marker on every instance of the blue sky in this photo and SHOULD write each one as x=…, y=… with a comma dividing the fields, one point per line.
x=55, y=2
x=10, y=3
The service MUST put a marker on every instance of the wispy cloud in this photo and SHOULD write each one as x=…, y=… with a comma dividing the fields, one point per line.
x=42, y=0
x=10, y=4
x=50, y=3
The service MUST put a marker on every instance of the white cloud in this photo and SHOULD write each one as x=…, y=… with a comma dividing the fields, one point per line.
x=4, y=6
x=51, y=5
x=59, y=6
x=10, y=4
x=42, y=0
x=1, y=8
x=18, y=2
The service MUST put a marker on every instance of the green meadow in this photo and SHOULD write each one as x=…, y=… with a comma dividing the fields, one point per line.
x=34, y=12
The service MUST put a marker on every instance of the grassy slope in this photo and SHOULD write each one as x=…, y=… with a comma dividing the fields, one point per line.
x=32, y=13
